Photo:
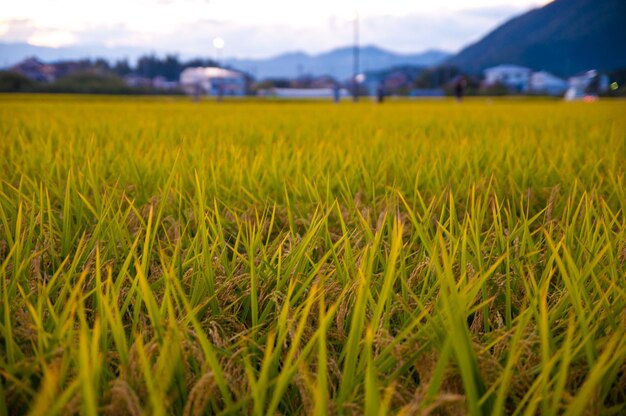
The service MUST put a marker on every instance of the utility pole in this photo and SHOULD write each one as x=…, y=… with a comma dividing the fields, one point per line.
x=218, y=44
x=355, y=59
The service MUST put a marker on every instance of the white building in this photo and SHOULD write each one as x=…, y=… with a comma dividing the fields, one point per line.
x=580, y=86
x=514, y=77
x=213, y=81
x=545, y=83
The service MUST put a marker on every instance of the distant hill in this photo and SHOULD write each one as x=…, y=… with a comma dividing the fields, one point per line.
x=12, y=53
x=564, y=37
x=337, y=62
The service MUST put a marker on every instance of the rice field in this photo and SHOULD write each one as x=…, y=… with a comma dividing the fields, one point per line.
x=159, y=256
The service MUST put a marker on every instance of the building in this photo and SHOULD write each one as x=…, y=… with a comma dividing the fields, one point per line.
x=212, y=81
x=161, y=83
x=136, y=81
x=298, y=93
x=586, y=84
x=543, y=82
x=516, y=78
x=397, y=80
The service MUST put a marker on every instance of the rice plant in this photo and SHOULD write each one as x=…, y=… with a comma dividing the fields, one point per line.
x=163, y=257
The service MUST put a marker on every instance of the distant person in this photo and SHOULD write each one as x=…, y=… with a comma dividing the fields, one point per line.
x=336, y=93
x=380, y=94
x=197, y=91
x=459, y=88
x=220, y=92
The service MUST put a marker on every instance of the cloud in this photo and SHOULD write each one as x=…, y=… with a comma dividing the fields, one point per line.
x=495, y=12
x=52, y=38
x=448, y=31
x=16, y=30
x=416, y=32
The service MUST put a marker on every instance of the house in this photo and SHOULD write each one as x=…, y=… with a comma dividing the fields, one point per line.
x=543, y=82
x=586, y=84
x=323, y=81
x=161, y=83
x=397, y=80
x=137, y=81
x=212, y=81
x=515, y=78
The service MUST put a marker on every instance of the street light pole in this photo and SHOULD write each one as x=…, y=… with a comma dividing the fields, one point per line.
x=355, y=59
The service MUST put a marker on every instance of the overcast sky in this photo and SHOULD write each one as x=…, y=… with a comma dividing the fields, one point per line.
x=254, y=28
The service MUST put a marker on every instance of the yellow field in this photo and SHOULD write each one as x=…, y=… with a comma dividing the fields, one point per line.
x=159, y=256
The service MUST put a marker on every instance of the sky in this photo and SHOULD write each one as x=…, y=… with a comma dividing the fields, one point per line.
x=254, y=29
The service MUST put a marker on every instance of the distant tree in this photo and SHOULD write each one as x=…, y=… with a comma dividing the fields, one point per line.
x=200, y=62
x=280, y=82
x=122, y=67
x=90, y=82
x=261, y=85
x=497, y=89
x=303, y=81
x=146, y=66
x=437, y=77
x=267, y=84
x=13, y=82
x=170, y=67
x=101, y=65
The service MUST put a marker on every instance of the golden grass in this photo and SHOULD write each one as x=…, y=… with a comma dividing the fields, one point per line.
x=163, y=257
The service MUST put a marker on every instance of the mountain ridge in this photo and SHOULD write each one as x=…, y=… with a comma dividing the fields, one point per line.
x=336, y=62
x=564, y=37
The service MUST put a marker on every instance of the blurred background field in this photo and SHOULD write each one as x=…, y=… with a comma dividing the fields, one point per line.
x=262, y=257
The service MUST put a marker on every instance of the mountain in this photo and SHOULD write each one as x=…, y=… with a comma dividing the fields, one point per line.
x=12, y=53
x=337, y=62
x=564, y=37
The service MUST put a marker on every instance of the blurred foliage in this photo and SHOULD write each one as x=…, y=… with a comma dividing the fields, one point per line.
x=13, y=82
